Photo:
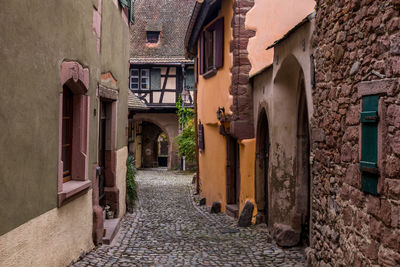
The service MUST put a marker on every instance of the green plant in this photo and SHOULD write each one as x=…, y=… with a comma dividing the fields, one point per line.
x=187, y=142
x=131, y=185
x=184, y=114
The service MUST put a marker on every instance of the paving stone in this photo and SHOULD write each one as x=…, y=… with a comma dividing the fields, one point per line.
x=169, y=228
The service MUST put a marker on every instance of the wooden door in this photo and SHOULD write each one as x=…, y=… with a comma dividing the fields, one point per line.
x=102, y=151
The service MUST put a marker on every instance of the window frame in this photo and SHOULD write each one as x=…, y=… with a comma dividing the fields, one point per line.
x=215, y=31
x=140, y=77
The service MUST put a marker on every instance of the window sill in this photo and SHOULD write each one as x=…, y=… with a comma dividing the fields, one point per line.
x=210, y=73
x=72, y=190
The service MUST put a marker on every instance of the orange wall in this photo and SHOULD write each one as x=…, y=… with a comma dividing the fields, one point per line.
x=271, y=19
x=214, y=93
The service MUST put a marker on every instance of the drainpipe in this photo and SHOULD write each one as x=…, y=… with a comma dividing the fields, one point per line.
x=183, y=163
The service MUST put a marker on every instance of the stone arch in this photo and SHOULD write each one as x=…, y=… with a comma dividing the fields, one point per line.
x=169, y=125
x=261, y=166
x=290, y=179
x=73, y=75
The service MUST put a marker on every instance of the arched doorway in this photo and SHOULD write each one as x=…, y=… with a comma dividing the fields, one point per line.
x=261, y=168
x=303, y=165
x=155, y=146
x=162, y=145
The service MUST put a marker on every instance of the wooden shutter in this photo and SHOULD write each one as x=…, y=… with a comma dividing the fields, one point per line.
x=196, y=70
x=124, y=3
x=155, y=79
x=219, y=43
x=369, y=144
x=201, y=136
x=131, y=12
x=202, y=53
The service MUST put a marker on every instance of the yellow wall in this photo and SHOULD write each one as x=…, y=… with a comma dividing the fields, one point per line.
x=54, y=238
x=214, y=93
x=280, y=17
x=122, y=155
x=247, y=159
x=271, y=19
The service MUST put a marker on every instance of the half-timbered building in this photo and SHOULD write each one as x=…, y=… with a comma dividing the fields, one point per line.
x=160, y=76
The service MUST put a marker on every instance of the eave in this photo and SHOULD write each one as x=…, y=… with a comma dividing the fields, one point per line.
x=203, y=12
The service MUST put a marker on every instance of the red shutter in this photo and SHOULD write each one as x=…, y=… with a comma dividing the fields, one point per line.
x=219, y=43
x=202, y=53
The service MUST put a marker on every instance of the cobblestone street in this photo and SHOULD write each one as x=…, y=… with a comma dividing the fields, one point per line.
x=168, y=228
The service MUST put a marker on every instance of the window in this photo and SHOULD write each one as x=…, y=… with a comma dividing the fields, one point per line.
x=67, y=118
x=152, y=37
x=140, y=79
x=134, y=79
x=145, y=79
x=212, y=49
x=209, y=49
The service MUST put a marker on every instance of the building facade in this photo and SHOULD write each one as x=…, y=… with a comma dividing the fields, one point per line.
x=68, y=162
x=301, y=121
x=228, y=41
x=160, y=76
x=355, y=134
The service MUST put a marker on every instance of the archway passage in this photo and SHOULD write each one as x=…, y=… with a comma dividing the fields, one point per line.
x=162, y=145
x=155, y=146
x=261, y=168
x=303, y=167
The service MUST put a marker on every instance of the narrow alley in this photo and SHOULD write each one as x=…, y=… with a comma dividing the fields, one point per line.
x=169, y=228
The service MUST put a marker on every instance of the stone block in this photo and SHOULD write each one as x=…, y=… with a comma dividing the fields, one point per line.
x=215, y=207
x=285, y=235
x=202, y=201
x=246, y=215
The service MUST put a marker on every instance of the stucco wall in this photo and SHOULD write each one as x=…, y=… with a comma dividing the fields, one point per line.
x=32, y=52
x=115, y=59
x=271, y=19
x=54, y=238
x=214, y=93
x=122, y=155
x=277, y=91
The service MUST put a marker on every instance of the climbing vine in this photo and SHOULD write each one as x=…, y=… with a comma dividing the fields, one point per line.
x=186, y=140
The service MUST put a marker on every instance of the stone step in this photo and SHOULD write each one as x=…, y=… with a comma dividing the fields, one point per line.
x=111, y=227
x=232, y=210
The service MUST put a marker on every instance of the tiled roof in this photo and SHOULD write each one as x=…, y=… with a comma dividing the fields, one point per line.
x=134, y=102
x=150, y=60
x=171, y=16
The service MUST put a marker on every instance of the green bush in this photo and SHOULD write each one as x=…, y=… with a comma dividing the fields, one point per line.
x=187, y=139
x=187, y=142
x=131, y=185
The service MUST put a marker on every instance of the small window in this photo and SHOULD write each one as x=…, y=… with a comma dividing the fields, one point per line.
x=209, y=49
x=140, y=79
x=212, y=49
x=134, y=79
x=152, y=37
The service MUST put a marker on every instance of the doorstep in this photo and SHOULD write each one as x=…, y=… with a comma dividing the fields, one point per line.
x=111, y=227
x=232, y=210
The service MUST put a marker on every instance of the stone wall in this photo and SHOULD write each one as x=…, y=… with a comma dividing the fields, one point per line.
x=355, y=41
x=242, y=122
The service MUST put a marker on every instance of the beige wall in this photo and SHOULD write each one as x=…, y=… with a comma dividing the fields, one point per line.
x=277, y=91
x=271, y=19
x=122, y=156
x=55, y=238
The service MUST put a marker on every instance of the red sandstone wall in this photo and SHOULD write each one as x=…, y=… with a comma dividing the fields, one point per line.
x=352, y=39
